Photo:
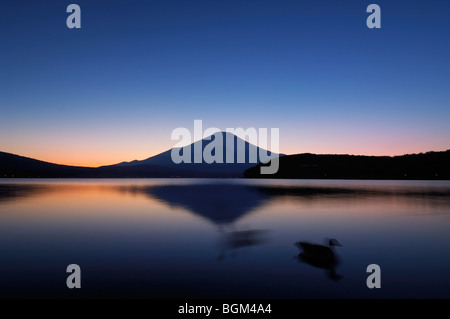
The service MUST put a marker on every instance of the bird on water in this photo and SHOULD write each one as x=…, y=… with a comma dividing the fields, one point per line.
x=320, y=256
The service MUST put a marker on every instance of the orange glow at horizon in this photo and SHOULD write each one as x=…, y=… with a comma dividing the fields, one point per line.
x=96, y=159
x=93, y=159
x=101, y=155
x=106, y=147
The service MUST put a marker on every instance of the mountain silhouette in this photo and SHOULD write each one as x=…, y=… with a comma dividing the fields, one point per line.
x=161, y=165
x=239, y=149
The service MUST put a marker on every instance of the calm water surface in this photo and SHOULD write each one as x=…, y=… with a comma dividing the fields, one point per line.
x=213, y=238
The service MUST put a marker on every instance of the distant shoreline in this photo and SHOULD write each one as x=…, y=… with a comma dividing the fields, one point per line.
x=226, y=178
x=422, y=166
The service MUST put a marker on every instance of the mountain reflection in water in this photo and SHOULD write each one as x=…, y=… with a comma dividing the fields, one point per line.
x=208, y=238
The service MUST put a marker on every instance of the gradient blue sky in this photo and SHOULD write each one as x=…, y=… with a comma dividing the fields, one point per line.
x=116, y=88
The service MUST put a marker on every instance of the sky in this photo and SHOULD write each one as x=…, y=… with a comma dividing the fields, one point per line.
x=115, y=89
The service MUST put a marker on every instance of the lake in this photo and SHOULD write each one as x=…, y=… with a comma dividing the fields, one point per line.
x=223, y=238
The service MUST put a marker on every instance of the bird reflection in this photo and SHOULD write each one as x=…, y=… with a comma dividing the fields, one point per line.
x=320, y=256
x=234, y=240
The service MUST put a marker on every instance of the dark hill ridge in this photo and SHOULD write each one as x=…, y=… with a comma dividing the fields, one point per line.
x=431, y=165
x=18, y=166
x=12, y=165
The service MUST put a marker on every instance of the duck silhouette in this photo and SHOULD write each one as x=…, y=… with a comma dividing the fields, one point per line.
x=320, y=256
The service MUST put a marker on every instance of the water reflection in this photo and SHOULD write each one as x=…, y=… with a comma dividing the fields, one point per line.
x=321, y=256
x=226, y=202
x=10, y=192
x=142, y=238
x=220, y=204
x=309, y=191
x=232, y=241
